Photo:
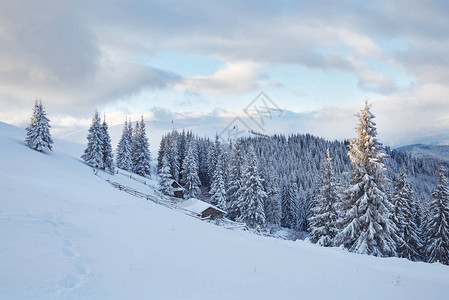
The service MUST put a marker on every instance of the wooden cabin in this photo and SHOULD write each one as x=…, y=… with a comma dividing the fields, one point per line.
x=202, y=209
x=177, y=189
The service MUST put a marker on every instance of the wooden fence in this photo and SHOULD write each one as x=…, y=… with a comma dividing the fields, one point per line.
x=165, y=201
x=170, y=202
x=131, y=177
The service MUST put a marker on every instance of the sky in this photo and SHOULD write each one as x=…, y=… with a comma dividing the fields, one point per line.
x=206, y=61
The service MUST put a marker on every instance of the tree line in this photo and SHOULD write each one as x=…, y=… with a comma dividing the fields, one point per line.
x=132, y=153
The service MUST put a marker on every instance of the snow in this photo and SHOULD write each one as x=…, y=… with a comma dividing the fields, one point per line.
x=68, y=234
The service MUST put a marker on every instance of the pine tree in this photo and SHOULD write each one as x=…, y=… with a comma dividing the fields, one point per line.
x=289, y=202
x=437, y=233
x=235, y=180
x=173, y=157
x=161, y=152
x=273, y=207
x=93, y=154
x=218, y=189
x=323, y=222
x=124, y=148
x=108, y=159
x=140, y=153
x=404, y=218
x=165, y=177
x=38, y=132
x=212, y=158
x=304, y=209
x=367, y=227
x=189, y=172
x=418, y=217
x=252, y=195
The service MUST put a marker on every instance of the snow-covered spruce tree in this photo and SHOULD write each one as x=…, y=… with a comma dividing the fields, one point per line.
x=212, y=158
x=421, y=220
x=182, y=146
x=38, y=132
x=323, y=223
x=124, y=148
x=404, y=217
x=108, y=159
x=218, y=187
x=161, y=152
x=189, y=172
x=289, y=203
x=273, y=207
x=304, y=209
x=252, y=195
x=140, y=153
x=437, y=233
x=235, y=180
x=173, y=157
x=366, y=225
x=165, y=177
x=93, y=154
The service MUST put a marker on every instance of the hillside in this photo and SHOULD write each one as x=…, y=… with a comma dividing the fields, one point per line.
x=439, y=152
x=67, y=234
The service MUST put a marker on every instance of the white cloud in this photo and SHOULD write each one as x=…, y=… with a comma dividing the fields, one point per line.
x=80, y=56
x=236, y=77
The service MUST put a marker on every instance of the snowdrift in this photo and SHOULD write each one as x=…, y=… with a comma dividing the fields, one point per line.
x=68, y=234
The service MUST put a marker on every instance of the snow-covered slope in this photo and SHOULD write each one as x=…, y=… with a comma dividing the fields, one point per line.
x=440, y=152
x=67, y=234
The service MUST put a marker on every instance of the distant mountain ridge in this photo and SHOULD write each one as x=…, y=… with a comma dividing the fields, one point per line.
x=440, y=152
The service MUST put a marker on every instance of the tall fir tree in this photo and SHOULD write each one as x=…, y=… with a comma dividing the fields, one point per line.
x=190, y=179
x=367, y=227
x=108, y=159
x=273, y=207
x=323, y=223
x=93, y=154
x=161, y=152
x=404, y=217
x=252, y=195
x=124, y=148
x=141, y=157
x=38, y=135
x=218, y=187
x=212, y=158
x=235, y=180
x=437, y=233
x=304, y=209
x=165, y=179
x=289, y=203
x=173, y=157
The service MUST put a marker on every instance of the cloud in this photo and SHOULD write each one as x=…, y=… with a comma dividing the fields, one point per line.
x=236, y=77
x=418, y=115
x=287, y=33
x=78, y=55
x=50, y=50
x=408, y=117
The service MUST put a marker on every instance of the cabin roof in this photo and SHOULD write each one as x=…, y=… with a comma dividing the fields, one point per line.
x=175, y=185
x=198, y=206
